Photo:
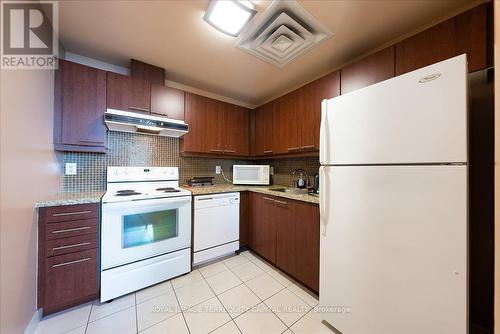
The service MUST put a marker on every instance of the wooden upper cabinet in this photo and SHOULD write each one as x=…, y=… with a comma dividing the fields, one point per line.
x=372, y=69
x=128, y=93
x=312, y=95
x=464, y=33
x=216, y=127
x=287, y=124
x=263, y=133
x=79, y=106
x=147, y=72
x=167, y=101
x=236, y=130
x=205, y=117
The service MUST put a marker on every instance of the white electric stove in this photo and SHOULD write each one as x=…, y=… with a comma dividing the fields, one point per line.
x=145, y=229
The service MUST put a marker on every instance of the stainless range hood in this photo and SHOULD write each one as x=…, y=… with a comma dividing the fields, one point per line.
x=125, y=121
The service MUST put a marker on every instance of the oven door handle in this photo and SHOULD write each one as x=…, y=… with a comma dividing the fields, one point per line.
x=147, y=203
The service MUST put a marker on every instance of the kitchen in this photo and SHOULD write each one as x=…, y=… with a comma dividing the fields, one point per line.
x=154, y=188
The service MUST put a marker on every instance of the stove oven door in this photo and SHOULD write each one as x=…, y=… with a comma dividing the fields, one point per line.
x=142, y=229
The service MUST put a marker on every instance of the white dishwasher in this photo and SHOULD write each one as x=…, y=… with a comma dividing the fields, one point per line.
x=216, y=226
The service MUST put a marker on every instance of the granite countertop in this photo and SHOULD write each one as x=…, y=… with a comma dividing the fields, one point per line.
x=226, y=188
x=71, y=199
x=95, y=196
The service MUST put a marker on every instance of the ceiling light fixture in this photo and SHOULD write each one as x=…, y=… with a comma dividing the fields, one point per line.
x=229, y=16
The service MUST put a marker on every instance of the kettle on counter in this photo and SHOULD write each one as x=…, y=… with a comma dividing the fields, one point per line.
x=316, y=184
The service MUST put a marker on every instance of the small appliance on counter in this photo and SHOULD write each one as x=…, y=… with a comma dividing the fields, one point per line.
x=200, y=181
x=251, y=174
x=315, y=189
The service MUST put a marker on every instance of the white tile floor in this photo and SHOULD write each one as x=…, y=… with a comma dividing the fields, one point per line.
x=240, y=294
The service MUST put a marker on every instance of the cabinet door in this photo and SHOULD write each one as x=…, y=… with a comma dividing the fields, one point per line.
x=205, y=117
x=167, y=101
x=244, y=218
x=464, y=33
x=70, y=278
x=80, y=103
x=286, y=124
x=372, y=69
x=262, y=227
x=148, y=72
x=307, y=234
x=263, y=136
x=236, y=130
x=311, y=95
x=128, y=93
x=286, y=243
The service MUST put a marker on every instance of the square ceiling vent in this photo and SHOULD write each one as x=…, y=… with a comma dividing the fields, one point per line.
x=282, y=33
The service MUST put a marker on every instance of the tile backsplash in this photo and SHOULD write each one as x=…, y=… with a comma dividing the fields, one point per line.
x=130, y=149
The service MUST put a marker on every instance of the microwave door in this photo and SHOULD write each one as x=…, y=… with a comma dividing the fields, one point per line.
x=251, y=174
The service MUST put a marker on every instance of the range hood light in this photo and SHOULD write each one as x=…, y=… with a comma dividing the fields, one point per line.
x=229, y=16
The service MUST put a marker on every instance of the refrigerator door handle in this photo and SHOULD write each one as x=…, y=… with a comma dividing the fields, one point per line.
x=323, y=196
x=324, y=136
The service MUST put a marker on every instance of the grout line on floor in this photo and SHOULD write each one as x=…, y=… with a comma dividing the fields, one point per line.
x=216, y=296
x=88, y=318
x=286, y=287
x=262, y=301
x=182, y=313
x=136, y=317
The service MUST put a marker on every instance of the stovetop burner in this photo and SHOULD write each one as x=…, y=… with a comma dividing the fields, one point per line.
x=127, y=192
x=168, y=190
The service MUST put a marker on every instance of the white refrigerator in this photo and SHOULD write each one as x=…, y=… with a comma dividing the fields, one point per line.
x=393, y=205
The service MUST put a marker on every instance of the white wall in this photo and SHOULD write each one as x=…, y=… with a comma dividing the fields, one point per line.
x=28, y=172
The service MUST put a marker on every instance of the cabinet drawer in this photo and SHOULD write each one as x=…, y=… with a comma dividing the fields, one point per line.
x=70, y=278
x=70, y=245
x=71, y=212
x=71, y=229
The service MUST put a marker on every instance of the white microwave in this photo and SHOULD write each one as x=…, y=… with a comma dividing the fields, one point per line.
x=251, y=174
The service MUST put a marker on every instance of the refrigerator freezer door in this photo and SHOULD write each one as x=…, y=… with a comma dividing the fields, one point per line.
x=394, y=254
x=418, y=117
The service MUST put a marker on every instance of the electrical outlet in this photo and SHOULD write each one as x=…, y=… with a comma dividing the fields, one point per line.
x=271, y=170
x=70, y=168
x=217, y=169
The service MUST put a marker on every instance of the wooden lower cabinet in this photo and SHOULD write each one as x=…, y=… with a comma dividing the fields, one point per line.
x=68, y=256
x=70, y=278
x=262, y=227
x=306, y=244
x=244, y=218
x=286, y=233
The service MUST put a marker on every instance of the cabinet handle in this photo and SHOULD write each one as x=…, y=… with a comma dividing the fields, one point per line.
x=307, y=147
x=159, y=114
x=71, y=213
x=281, y=202
x=70, y=262
x=268, y=199
x=291, y=149
x=204, y=199
x=268, y=151
x=71, y=246
x=215, y=150
x=229, y=151
x=71, y=229
x=139, y=109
